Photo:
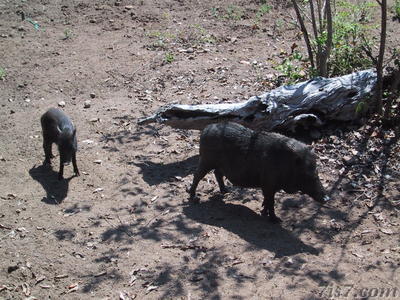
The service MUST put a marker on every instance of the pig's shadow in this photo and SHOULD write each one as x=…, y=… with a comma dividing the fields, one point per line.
x=56, y=190
x=249, y=225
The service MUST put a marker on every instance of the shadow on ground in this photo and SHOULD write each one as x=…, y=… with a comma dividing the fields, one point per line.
x=156, y=173
x=56, y=190
x=127, y=136
x=249, y=226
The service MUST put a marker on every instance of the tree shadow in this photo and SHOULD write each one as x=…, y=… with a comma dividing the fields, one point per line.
x=156, y=173
x=158, y=227
x=126, y=136
x=362, y=199
x=205, y=277
x=56, y=190
x=250, y=226
x=65, y=234
x=363, y=164
x=95, y=280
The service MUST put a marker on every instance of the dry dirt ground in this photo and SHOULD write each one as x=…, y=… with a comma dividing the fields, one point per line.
x=124, y=228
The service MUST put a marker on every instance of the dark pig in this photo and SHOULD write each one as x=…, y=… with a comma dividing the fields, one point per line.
x=251, y=159
x=58, y=128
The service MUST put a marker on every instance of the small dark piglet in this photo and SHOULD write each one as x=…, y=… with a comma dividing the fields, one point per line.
x=58, y=128
x=252, y=159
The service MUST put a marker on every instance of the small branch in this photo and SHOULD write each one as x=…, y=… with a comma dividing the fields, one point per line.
x=302, y=11
x=319, y=10
x=305, y=33
x=313, y=20
x=368, y=51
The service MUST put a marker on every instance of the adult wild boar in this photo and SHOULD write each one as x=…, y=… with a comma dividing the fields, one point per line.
x=57, y=128
x=252, y=159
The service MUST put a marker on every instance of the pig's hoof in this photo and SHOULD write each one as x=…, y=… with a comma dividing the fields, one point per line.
x=224, y=191
x=194, y=199
x=274, y=219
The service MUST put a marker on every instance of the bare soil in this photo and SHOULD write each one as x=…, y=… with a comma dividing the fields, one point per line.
x=125, y=228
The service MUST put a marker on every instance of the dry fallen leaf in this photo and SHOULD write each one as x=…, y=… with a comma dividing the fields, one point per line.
x=126, y=296
x=72, y=288
x=354, y=152
x=132, y=280
x=5, y=227
x=151, y=288
x=374, y=133
x=26, y=289
x=367, y=231
x=3, y=287
x=100, y=189
x=386, y=231
x=40, y=279
x=123, y=296
x=357, y=255
x=379, y=217
x=45, y=286
x=100, y=274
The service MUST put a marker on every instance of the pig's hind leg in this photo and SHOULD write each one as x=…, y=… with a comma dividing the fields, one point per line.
x=76, y=171
x=269, y=206
x=220, y=179
x=202, y=170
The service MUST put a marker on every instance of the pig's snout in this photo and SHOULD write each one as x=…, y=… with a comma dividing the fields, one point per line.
x=326, y=199
x=318, y=192
x=323, y=198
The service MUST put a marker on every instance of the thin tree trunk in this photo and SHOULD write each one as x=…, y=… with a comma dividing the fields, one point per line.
x=319, y=6
x=379, y=66
x=323, y=67
x=394, y=88
x=315, y=30
x=305, y=33
x=313, y=20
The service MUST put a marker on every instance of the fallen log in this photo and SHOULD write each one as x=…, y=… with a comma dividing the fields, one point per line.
x=311, y=103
